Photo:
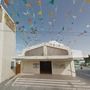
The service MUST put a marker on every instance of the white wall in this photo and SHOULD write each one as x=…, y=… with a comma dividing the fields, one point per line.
x=35, y=52
x=1, y=45
x=58, y=67
x=63, y=68
x=73, y=73
x=56, y=51
x=8, y=52
x=27, y=67
x=7, y=49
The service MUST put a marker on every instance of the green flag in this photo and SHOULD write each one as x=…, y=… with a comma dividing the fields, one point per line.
x=25, y=1
x=51, y=1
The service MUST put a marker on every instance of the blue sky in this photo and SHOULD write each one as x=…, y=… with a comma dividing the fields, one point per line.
x=66, y=21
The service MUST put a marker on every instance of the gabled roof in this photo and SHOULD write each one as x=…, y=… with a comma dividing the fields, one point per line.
x=54, y=44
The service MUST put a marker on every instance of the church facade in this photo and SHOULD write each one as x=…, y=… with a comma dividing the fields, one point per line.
x=46, y=58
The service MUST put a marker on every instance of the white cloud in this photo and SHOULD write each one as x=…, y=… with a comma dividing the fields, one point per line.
x=74, y=1
x=74, y=17
x=88, y=26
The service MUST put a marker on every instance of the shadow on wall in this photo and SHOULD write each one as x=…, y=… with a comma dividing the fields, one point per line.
x=68, y=69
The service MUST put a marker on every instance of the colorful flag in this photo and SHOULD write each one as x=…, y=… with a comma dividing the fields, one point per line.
x=40, y=12
x=6, y=2
x=87, y=1
x=51, y=1
x=30, y=21
x=28, y=5
x=25, y=1
x=17, y=22
x=39, y=3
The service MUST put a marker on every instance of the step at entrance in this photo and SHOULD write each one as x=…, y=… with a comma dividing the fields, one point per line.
x=51, y=83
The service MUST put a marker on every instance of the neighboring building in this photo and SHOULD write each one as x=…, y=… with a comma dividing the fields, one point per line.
x=46, y=58
x=7, y=44
x=78, y=58
x=87, y=60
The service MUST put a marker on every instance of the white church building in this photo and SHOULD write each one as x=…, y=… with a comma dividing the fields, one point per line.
x=7, y=44
x=46, y=58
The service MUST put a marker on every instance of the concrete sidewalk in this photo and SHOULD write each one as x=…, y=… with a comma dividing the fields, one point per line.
x=43, y=82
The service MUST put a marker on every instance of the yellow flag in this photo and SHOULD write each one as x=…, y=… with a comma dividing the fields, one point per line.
x=87, y=1
x=39, y=3
x=40, y=12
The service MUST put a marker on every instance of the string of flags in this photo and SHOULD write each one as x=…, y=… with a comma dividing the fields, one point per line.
x=39, y=3
x=39, y=13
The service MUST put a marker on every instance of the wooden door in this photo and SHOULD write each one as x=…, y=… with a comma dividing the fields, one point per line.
x=18, y=68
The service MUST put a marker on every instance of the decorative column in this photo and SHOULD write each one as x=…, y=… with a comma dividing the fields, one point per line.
x=44, y=50
x=73, y=73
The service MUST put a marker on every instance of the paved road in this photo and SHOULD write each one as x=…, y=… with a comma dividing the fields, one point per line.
x=84, y=74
